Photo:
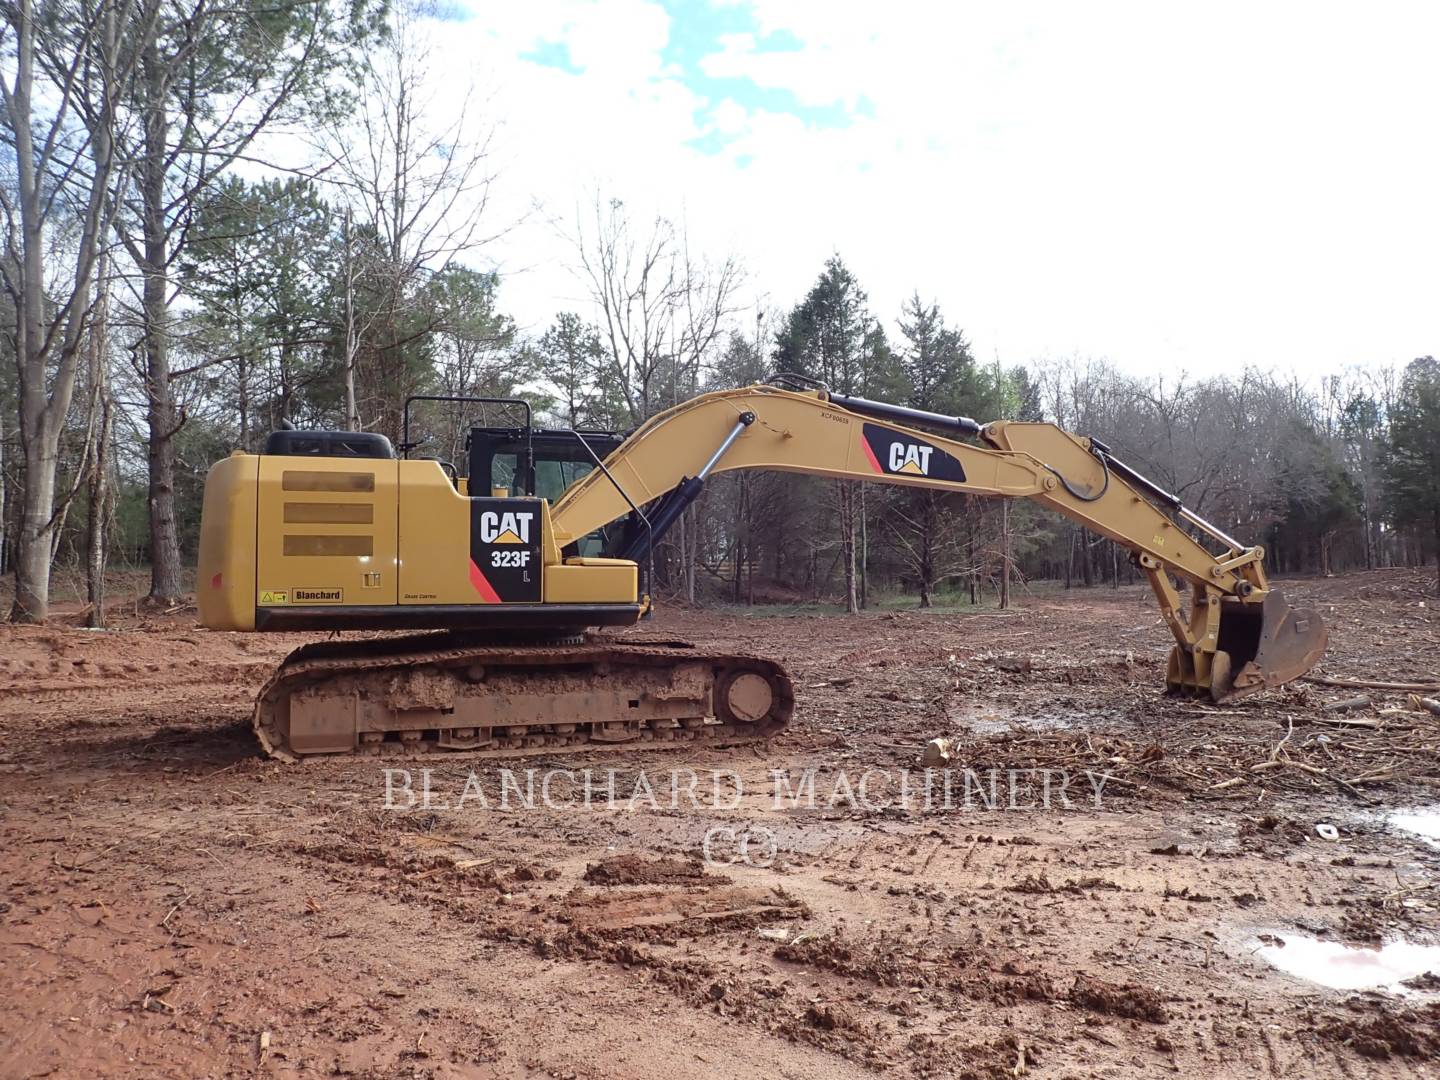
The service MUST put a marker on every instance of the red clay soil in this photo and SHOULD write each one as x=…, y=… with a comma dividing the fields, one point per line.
x=176, y=905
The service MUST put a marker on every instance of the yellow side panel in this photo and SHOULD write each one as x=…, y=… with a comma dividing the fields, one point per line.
x=225, y=576
x=591, y=581
x=326, y=532
x=434, y=538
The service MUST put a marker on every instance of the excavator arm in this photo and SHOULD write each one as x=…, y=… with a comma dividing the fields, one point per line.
x=1238, y=635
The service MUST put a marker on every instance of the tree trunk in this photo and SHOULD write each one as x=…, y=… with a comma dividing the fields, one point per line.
x=847, y=545
x=864, y=559
x=243, y=371
x=1437, y=551
x=689, y=552
x=742, y=531
x=4, y=505
x=165, y=571
x=352, y=337
x=927, y=548
x=972, y=552
x=1004, y=553
x=99, y=513
x=97, y=436
x=33, y=542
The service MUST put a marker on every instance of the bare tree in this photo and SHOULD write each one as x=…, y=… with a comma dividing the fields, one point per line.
x=663, y=310
x=96, y=474
x=4, y=495
x=65, y=173
x=635, y=281
x=411, y=168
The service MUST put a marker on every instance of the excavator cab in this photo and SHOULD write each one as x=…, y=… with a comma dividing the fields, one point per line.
x=542, y=463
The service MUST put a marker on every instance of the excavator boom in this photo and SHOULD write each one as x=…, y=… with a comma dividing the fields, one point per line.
x=1238, y=637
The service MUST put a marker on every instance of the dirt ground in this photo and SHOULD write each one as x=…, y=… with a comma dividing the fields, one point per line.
x=175, y=905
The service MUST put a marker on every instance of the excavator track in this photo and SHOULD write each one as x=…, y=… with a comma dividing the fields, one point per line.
x=452, y=693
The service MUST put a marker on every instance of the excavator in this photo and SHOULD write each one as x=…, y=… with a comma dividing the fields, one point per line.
x=549, y=536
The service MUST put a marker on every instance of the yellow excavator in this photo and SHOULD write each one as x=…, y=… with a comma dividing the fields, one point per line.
x=550, y=533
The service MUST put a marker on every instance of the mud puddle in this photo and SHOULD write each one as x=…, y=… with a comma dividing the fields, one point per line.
x=1423, y=822
x=1398, y=967
x=980, y=720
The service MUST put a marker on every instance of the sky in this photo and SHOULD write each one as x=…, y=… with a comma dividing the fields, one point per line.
x=1171, y=187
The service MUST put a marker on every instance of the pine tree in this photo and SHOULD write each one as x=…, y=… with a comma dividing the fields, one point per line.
x=938, y=370
x=1412, y=466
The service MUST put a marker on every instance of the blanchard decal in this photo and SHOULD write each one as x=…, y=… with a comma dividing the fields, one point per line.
x=505, y=550
x=274, y=596
x=896, y=454
x=317, y=596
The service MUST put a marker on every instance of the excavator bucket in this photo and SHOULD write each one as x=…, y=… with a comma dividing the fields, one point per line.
x=1266, y=644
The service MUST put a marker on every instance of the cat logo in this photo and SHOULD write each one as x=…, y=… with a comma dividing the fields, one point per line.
x=895, y=453
x=909, y=458
x=511, y=527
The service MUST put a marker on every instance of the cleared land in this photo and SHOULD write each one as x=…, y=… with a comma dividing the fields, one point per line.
x=174, y=905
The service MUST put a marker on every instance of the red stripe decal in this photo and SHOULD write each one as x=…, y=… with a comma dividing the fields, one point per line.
x=482, y=586
x=870, y=454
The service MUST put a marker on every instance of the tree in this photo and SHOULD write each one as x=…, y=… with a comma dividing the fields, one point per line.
x=63, y=137
x=1412, y=465
x=572, y=358
x=661, y=309
x=825, y=338
x=210, y=80
x=260, y=263
x=475, y=352
x=938, y=370
x=410, y=169
x=745, y=503
x=662, y=313
x=96, y=457
x=1360, y=429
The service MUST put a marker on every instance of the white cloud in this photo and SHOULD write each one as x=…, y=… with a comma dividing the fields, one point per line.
x=1171, y=187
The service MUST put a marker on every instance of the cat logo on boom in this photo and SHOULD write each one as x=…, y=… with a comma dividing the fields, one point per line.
x=909, y=458
x=510, y=527
x=896, y=453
